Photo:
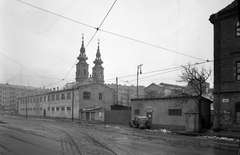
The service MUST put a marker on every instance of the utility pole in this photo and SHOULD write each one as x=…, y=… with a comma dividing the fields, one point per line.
x=26, y=107
x=117, y=89
x=72, y=102
x=139, y=67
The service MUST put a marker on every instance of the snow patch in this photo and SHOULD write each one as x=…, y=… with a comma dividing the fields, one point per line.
x=216, y=138
x=160, y=130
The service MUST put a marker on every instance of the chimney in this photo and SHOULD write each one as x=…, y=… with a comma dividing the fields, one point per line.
x=54, y=89
x=57, y=88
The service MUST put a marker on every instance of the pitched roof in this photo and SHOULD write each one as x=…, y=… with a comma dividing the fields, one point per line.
x=171, y=85
x=152, y=84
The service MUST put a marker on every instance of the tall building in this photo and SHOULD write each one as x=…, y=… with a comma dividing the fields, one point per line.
x=82, y=68
x=226, y=67
x=97, y=70
x=9, y=94
x=87, y=98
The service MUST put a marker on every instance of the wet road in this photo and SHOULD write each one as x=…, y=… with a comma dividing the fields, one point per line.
x=36, y=136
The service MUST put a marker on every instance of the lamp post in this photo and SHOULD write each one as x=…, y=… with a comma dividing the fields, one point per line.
x=139, y=68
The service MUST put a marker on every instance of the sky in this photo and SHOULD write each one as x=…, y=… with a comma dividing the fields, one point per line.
x=40, y=40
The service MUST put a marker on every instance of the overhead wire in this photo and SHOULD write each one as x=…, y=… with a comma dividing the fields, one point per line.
x=112, y=33
x=98, y=28
x=55, y=14
x=21, y=65
x=167, y=70
x=94, y=34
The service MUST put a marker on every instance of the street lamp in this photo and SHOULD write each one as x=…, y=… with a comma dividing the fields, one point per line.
x=139, y=68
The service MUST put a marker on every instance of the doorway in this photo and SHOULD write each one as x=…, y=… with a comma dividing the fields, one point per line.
x=44, y=112
x=149, y=116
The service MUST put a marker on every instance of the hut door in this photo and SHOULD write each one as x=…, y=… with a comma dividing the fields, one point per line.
x=149, y=116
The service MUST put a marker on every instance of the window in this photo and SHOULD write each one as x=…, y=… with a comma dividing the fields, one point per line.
x=238, y=70
x=53, y=97
x=45, y=98
x=41, y=109
x=48, y=97
x=136, y=111
x=175, y=112
x=237, y=113
x=53, y=108
x=86, y=95
x=57, y=108
x=58, y=97
x=237, y=29
x=68, y=95
x=40, y=99
x=68, y=108
x=63, y=96
x=100, y=96
x=48, y=108
x=34, y=100
x=62, y=108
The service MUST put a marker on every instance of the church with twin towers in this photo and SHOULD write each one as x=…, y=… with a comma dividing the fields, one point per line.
x=82, y=67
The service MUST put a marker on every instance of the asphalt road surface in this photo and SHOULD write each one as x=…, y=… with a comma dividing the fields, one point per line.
x=34, y=136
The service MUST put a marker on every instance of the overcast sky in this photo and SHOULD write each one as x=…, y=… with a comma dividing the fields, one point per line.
x=38, y=48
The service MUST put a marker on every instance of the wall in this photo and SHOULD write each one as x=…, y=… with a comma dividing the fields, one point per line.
x=226, y=48
x=36, y=106
x=161, y=106
x=95, y=89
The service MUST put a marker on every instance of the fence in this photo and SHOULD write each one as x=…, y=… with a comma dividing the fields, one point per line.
x=117, y=116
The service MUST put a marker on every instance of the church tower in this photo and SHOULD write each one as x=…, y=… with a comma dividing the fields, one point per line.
x=82, y=66
x=97, y=70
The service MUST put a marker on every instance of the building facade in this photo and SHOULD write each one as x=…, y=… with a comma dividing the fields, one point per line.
x=226, y=67
x=87, y=98
x=69, y=103
x=175, y=113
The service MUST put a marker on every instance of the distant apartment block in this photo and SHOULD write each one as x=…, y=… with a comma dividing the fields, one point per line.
x=9, y=94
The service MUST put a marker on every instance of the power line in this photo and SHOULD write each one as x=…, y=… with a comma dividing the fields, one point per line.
x=112, y=33
x=98, y=28
x=32, y=76
x=55, y=14
x=165, y=69
x=122, y=36
x=94, y=33
x=21, y=65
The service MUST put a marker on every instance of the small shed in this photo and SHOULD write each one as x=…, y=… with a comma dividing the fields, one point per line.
x=173, y=113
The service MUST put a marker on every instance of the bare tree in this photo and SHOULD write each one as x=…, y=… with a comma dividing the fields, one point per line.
x=196, y=80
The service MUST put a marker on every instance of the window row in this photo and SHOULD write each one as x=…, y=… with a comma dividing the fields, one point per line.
x=53, y=97
x=87, y=96
x=171, y=112
x=48, y=109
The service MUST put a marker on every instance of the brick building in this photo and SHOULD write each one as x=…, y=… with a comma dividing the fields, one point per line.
x=226, y=67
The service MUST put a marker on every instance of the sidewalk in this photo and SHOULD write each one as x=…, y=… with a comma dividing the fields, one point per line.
x=227, y=134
